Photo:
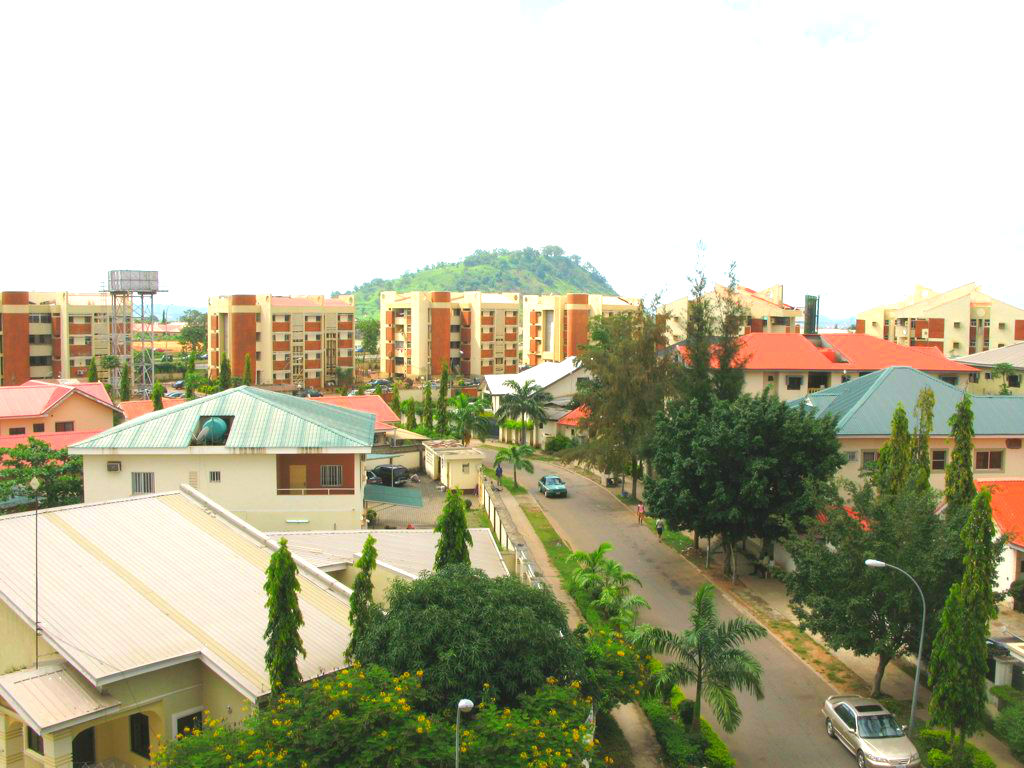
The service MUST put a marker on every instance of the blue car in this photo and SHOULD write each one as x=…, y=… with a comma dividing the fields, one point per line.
x=552, y=485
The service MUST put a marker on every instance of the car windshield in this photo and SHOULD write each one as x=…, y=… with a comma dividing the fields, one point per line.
x=554, y=480
x=878, y=727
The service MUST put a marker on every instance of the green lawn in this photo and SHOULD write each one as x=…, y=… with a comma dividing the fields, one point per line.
x=680, y=542
x=506, y=481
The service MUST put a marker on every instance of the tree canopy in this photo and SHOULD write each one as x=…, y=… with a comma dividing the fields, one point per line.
x=284, y=619
x=59, y=473
x=368, y=328
x=193, y=334
x=455, y=540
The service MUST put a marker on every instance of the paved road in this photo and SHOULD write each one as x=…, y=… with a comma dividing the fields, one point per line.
x=785, y=729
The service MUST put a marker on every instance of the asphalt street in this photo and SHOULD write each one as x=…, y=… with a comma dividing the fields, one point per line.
x=786, y=728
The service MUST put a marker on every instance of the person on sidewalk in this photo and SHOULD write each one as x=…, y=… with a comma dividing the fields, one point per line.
x=640, y=513
x=498, y=472
x=659, y=526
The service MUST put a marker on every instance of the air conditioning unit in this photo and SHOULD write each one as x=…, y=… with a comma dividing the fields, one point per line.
x=113, y=466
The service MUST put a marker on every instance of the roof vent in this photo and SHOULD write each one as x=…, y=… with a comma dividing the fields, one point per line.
x=212, y=430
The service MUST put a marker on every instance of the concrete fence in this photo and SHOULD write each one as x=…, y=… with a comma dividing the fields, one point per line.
x=510, y=542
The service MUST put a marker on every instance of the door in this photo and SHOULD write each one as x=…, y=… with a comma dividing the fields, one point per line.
x=83, y=748
x=847, y=724
x=296, y=476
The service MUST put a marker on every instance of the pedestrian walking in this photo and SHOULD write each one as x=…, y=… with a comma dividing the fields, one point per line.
x=498, y=472
x=640, y=513
x=659, y=526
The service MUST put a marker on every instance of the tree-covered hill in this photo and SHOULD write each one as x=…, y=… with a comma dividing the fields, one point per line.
x=528, y=270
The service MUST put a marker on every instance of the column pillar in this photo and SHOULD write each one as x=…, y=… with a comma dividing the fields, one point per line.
x=12, y=743
x=58, y=751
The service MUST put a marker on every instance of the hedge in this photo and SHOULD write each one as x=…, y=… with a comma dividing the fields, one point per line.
x=1009, y=727
x=933, y=745
x=682, y=748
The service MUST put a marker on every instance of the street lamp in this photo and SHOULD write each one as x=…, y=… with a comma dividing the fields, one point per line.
x=465, y=705
x=920, y=647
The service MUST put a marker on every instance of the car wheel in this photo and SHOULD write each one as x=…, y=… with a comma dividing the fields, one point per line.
x=861, y=760
x=829, y=729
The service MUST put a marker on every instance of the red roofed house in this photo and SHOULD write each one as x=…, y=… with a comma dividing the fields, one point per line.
x=569, y=425
x=374, y=404
x=42, y=407
x=793, y=365
x=1008, y=516
x=132, y=409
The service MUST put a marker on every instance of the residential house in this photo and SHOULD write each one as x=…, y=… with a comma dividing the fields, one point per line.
x=291, y=341
x=475, y=333
x=559, y=380
x=40, y=407
x=864, y=407
x=793, y=365
x=151, y=618
x=766, y=312
x=132, y=409
x=571, y=425
x=985, y=382
x=392, y=444
x=452, y=464
x=555, y=326
x=277, y=461
x=962, y=321
x=1008, y=516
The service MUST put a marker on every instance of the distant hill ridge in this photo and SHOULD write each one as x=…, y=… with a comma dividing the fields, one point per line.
x=528, y=270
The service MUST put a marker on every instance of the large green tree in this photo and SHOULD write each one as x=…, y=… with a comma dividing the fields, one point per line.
x=368, y=329
x=455, y=540
x=924, y=423
x=709, y=655
x=469, y=418
x=157, y=396
x=284, y=619
x=749, y=467
x=959, y=660
x=893, y=470
x=627, y=381
x=524, y=401
x=59, y=474
x=427, y=408
x=607, y=584
x=193, y=334
x=960, y=467
x=518, y=457
x=363, y=612
x=410, y=407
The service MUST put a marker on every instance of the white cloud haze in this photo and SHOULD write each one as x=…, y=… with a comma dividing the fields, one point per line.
x=847, y=149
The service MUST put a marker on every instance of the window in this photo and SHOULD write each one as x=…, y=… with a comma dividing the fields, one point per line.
x=16, y=431
x=190, y=722
x=867, y=458
x=142, y=482
x=215, y=476
x=938, y=461
x=330, y=476
x=851, y=456
x=33, y=740
x=138, y=725
x=948, y=379
x=794, y=382
x=846, y=715
x=988, y=460
x=38, y=427
x=1013, y=380
x=65, y=426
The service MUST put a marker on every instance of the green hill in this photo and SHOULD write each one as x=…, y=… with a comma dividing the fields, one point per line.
x=525, y=271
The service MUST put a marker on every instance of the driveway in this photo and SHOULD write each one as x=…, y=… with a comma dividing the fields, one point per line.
x=786, y=728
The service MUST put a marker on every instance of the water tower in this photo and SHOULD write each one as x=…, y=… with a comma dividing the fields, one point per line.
x=131, y=313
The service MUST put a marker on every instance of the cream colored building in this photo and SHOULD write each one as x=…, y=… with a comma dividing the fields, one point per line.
x=962, y=321
x=279, y=462
x=452, y=464
x=291, y=341
x=766, y=312
x=475, y=333
x=44, y=407
x=985, y=382
x=555, y=326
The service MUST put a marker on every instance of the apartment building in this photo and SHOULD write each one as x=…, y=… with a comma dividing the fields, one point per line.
x=292, y=341
x=52, y=335
x=962, y=321
x=766, y=312
x=558, y=324
x=475, y=333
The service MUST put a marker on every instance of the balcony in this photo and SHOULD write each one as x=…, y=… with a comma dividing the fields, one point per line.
x=314, y=345
x=313, y=328
x=80, y=329
x=281, y=327
x=281, y=346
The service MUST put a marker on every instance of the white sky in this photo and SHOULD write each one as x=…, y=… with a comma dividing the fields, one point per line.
x=847, y=149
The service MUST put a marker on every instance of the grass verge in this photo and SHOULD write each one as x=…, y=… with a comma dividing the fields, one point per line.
x=613, y=742
x=506, y=481
x=678, y=541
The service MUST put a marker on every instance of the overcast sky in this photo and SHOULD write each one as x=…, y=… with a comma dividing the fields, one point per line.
x=847, y=149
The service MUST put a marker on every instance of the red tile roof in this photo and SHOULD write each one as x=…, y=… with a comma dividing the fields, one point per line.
x=34, y=398
x=134, y=408
x=1007, y=506
x=374, y=404
x=842, y=352
x=55, y=440
x=573, y=417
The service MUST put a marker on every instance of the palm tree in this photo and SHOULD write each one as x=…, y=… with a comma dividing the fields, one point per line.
x=467, y=418
x=708, y=655
x=607, y=582
x=526, y=400
x=1004, y=371
x=518, y=456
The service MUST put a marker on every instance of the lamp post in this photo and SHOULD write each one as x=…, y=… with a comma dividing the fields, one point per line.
x=920, y=647
x=34, y=485
x=465, y=705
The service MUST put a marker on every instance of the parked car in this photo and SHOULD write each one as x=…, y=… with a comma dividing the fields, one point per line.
x=552, y=485
x=869, y=731
x=391, y=474
x=372, y=479
x=308, y=392
x=175, y=394
x=201, y=357
x=179, y=384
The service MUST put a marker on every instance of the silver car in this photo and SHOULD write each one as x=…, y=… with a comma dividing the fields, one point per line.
x=869, y=731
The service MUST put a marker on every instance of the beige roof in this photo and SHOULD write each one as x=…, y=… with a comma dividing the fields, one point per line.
x=1012, y=354
x=410, y=551
x=53, y=696
x=137, y=584
x=405, y=434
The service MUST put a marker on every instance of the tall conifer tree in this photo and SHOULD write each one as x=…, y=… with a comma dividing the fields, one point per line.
x=284, y=618
x=453, y=546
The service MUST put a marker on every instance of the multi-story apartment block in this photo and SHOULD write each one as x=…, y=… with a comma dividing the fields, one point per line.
x=475, y=333
x=557, y=325
x=766, y=312
x=962, y=321
x=291, y=341
x=52, y=335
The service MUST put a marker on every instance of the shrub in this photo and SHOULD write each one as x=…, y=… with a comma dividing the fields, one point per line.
x=716, y=754
x=1016, y=591
x=1007, y=696
x=680, y=748
x=1010, y=728
x=557, y=443
x=933, y=745
x=613, y=671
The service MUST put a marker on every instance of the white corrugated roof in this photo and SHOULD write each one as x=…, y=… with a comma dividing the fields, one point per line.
x=145, y=582
x=543, y=375
x=53, y=695
x=409, y=550
x=1012, y=354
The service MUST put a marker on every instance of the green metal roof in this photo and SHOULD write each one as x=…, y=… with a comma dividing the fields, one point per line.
x=259, y=420
x=406, y=497
x=864, y=406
